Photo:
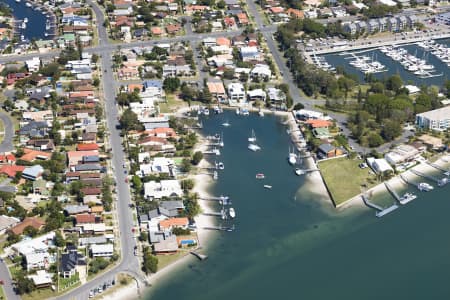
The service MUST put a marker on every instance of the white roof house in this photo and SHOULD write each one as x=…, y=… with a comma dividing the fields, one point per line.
x=37, y=260
x=379, y=165
x=41, y=278
x=156, y=165
x=164, y=188
x=39, y=244
x=257, y=94
x=33, y=64
x=400, y=154
x=276, y=95
x=261, y=70
x=236, y=92
x=309, y=114
x=103, y=250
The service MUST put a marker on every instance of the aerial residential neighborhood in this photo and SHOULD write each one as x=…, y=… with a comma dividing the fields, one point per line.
x=220, y=142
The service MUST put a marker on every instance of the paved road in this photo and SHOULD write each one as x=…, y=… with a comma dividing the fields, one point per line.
x=7, y=143
x=129, y=263
x=7, y=286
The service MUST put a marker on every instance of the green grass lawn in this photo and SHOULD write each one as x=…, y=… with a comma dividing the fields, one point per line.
x=165, y=260
x=344, y=178
x=2, y=293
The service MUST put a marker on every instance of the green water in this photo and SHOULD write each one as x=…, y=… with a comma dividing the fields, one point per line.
x=290, y=243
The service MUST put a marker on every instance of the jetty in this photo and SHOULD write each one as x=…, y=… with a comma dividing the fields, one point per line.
x=438, y=167
x=224, y=200
x=198, y=255
x=406, y=198
x=212, y=152
x=380, y=211
x=220, y=228
x=440, y=182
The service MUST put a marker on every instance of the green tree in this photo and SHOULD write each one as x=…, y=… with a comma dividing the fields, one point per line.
x=171, y=84
x=150, y=263
x=391, y=130
x=185, y=165
x=374, y=139
x=30, y=231
x=129, y=121
x=394, y=83
x=197, y=157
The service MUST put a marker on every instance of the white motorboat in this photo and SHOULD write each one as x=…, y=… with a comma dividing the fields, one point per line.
x=238, y=111
x=226, y=124
x=267, y=186
x=206, y=111
x=261, y=113
x=245, y=112
x=220, y=166
x=252, y=138
x=299, y=172
x=28, y=4
x=254, y=147
x=25, y=20
x=260, y=176
x=24, y=25
x=232, y=213
x=292, y=157
x=425, y=187
x=421, y=72
x=17, y=1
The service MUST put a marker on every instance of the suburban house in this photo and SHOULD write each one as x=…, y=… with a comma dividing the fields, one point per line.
x=103, y=250
x=72, y=262
x=236, y=92
x=329, y=151
x=164, y=188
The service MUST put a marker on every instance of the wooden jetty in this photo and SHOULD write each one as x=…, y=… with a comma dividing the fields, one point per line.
x=408, y=197
x=223, y=200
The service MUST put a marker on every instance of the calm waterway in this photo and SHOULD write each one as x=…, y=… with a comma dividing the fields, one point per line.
x=394, y=67
x=289, y=242
x=36, y=19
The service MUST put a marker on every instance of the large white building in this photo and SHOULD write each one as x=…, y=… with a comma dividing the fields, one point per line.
x=236, y=92
x=401, y=154
x=438, y=119
x=164, y=188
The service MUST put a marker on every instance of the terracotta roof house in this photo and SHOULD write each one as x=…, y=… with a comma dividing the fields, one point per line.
x=223, y=41
x=84, y=219
x=31, y=155
x=156, y=31
x=11, y=171
x=87, y=147
x=316, y=123
x=74, y=157
x=174, y=223
x=7, y=159
x=173, y=28
x=28, y=221
x=242, y=19
x=295, y=13
x=91, y=191
x=229, y=21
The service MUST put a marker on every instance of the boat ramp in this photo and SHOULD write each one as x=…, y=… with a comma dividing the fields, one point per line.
x=380, y=211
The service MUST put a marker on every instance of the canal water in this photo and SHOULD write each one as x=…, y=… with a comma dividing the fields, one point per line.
x=337, y=59
x=290, y=243
x=36, y=19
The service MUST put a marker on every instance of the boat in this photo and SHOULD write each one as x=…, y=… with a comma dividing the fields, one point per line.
x=17, y=1
x=232, y=212
x=267, y=186
x=252, y=139
x=261, y=113
x=206, y=111
x=22, y=38
x=292, y=158
x=215, y=175
x=25, y=20
x=425, y=187
x=28, y=4
x=245, y=112
x=238, y=111
x=299, y=172
x=226, y=124
x=220, y=166
x=260, y=176
x=254, y=147
x=218, y=110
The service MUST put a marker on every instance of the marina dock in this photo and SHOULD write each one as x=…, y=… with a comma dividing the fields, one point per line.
x=223, y=200
x=406, y=198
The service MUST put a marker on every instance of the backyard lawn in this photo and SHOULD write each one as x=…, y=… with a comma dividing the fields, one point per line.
x=344, y=178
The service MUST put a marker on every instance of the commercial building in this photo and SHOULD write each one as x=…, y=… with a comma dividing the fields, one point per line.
x=438, y=119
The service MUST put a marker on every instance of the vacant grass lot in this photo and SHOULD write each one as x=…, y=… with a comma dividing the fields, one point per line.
x=344, y=178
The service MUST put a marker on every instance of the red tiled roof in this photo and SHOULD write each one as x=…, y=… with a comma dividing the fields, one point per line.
x=11, y=171
x=87, y=147
x=91, y=191
x=84, y=218
x=29, y=221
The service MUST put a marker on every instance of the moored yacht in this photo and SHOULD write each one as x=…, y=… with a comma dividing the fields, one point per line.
x=425, y=187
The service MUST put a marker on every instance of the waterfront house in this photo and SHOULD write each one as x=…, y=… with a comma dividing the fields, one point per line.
x=168, y=245
x=171, y=208
x=401, y=154
x=373, y=26
x=361, y=27
x=217, y=90
x=236, y=92
x=329, y=151
x=380, y=166
x=276, y=97
x=174, y=223
x=412, y=20
x=256, y=94
x=162, y=189
x=383, y=24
